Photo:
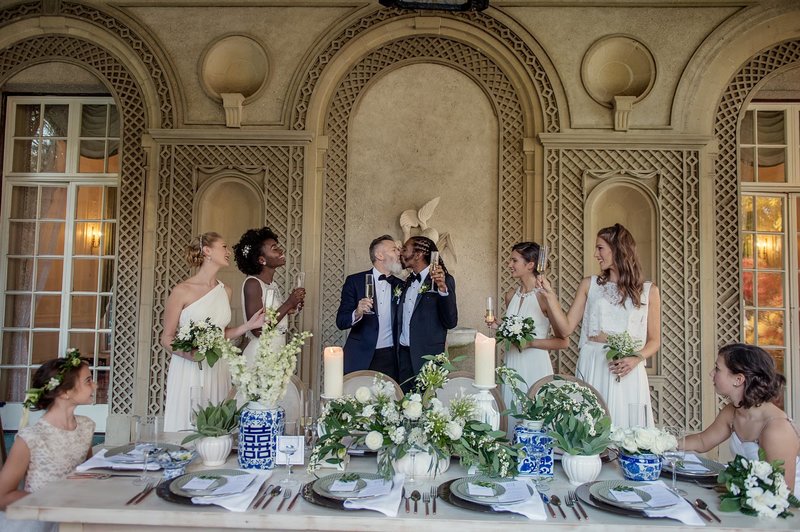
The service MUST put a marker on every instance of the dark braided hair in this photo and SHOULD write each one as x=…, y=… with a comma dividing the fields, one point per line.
x=758, y=368
x=249, y=248
x=425, y=245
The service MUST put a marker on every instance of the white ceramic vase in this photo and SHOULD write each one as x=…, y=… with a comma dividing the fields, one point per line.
x=423, y=465
x=581, y=469
x=214, y=450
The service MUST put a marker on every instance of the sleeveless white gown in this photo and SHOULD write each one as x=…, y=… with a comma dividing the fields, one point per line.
x=603, y=315
x=749, y=449
x=184, y=374
x=532, y=364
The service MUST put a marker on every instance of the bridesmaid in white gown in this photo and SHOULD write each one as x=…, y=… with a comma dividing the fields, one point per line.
x=532, y=362
x=745, y=374
x=197, y=298
x=615, y=301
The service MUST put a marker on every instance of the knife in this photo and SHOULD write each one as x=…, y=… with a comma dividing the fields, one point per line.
x=546, y=502
x=262, y=493
x=294, y=500
x=578, y=504
x=696, y=509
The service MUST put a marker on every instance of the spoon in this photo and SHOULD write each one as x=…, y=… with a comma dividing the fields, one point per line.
x=555, y=500
x=703, y=506
x=415, y=496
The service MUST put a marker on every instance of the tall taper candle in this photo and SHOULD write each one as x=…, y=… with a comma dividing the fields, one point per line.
x=333, y=358
x=484, y=360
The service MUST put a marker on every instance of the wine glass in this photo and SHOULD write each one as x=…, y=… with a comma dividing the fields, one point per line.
x=675, y=456
x=413, y=451
x=147, y=431
x=539, y=480
x=288, y=446
x=369, y=289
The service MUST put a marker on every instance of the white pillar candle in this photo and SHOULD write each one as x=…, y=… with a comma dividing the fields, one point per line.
x=484, y=360
x=333, y=360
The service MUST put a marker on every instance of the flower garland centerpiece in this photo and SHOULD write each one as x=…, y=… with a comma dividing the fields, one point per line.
x=264, y=384
x=515, y=330
x=417, y=422
x=206, y=340
x=622, y=345
x=756, y=487
x=640, y=450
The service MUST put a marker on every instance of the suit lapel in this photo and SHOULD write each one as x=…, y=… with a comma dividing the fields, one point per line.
x=419, y=296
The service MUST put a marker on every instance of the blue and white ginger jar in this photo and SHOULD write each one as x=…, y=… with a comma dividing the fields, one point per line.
x=645, y=466
x=534, y=440
x=259, y=428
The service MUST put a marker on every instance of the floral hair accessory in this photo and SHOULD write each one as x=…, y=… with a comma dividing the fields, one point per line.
x=246, y=250
x=72, y=359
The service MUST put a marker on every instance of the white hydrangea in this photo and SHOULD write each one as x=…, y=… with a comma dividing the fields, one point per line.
x=398, y=435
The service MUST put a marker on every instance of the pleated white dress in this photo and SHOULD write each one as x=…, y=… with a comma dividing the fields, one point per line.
x=184, y=374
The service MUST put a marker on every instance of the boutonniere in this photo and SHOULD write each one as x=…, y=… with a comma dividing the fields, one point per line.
x=424, y=288
x=396, y=292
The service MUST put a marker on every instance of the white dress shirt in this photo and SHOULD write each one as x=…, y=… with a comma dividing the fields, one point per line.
x=383, y=306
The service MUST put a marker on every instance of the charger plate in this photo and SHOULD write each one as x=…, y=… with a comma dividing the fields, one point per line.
x=714, y=469
x=322, y=486
x=308, y=493
x=583, y=494
x=219, y=474
x=460, y=489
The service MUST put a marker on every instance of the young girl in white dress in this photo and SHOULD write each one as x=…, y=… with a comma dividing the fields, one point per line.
x=51, y=449
x=615, y=301
x=745, y=374
x=258, y=255
x=197, y=298
x=532, y=362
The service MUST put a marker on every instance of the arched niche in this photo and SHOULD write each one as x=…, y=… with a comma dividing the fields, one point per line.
x=626, y=202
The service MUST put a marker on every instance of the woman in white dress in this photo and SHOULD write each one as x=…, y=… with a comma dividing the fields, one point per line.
x=745, y=374
x=197, y=298
x=613, y=302
x=258, y=255
x=532, y=361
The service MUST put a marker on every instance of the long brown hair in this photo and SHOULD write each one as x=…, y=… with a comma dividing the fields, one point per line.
x=623, y=248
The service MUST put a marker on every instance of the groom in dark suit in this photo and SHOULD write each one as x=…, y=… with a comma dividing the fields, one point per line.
x=371, y=343
x=427, y=308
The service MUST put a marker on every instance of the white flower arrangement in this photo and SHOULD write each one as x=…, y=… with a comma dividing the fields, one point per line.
x=206, y=340
x=640, y=440
x=397, y=292
x=267, y=380
x=756, y=487
x=515, y=330
x=622, y=345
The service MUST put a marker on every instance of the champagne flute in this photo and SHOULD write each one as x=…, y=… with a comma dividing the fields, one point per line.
x=369, y=289
x=541, y=261
x=434, y=265
x=300, y=280
x=675, y=456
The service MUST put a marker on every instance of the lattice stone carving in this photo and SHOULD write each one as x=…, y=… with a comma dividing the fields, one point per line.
x=726, y=182
x=132, y=109
x=678, y=196
x=176, y=190
x=512, y=175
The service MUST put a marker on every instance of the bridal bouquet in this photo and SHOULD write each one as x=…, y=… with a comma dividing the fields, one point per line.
x=621, y=345
x=516, y=331
x=756, y=487
x=267, y=380
x=642, y=440
x=417, y=422
x=206, y=340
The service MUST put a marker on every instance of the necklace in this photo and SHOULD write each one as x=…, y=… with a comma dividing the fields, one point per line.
x=522, y=294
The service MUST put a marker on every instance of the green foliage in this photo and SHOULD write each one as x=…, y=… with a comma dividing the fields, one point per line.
x=215, y=420
x=576, y=436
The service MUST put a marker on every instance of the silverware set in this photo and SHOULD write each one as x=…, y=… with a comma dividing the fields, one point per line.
x=267, y=493
x=142, y=495
x=428, y=498
x=571, y=500
x=700, y=506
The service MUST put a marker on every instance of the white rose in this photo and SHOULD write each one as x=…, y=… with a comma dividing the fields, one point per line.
x=646, y=438
x=412, y=410
x=454, y=430
x=374, y=440
x=415, y=397
x=761, y=469
x=363, y=394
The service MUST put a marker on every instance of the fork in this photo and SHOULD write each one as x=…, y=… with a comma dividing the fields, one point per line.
x=434, y=496
x=286, y=494
x=574, y=496
x=426, y=498
x=135, y=498
x=570, y=503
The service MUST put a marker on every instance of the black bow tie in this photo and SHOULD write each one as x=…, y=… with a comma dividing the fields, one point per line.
x=383, y=277
x=414, y=277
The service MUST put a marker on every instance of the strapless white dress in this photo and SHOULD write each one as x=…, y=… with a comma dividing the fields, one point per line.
x=749, y=449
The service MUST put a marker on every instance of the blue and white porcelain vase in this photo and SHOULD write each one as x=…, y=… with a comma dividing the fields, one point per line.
x=645, y=466
x=259, y=428
x=537, y=446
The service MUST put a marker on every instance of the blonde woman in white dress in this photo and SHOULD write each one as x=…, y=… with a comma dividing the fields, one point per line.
x=532, y=361
x=615, y=301
x=197, y=298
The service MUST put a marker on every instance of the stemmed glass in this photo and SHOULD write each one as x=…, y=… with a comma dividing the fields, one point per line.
x=675, y=456
x=147, y=429
x=538, y=479
x=288, y=446
x=369, y=289
x=434, y=265
x=413, y=451
x=541, y=261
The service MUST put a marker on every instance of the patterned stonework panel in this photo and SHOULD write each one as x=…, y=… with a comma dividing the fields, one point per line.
x=496, y=84
x=726, y=183
x=131, y=190
x=176, y=191
x=483, y=21
x=677, y=197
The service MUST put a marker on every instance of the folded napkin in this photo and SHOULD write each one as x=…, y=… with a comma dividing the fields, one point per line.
x=532, y=508
x=238, y=502
x=388, y=505
x=682, y=511
x=99, y=460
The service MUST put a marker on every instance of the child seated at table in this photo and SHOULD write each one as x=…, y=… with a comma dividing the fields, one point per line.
x=59, y=441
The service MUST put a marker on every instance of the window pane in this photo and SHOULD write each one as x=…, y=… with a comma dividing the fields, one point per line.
x=770, y=290
x=54, y=155
x=51, y=238
x=90, y=203
x=45, y=346
x=13, y=383
x=23, y=203
x=746, y=129
x=92, y=155
x=26, y=153
x=747, y=251
x=20, y=274
x=26, y=121
x=18, y=310
x=748, y=219
x=106, y=313
x=21, y=238
x=106, y=275
x=772, y=165
x=84, y=275
x=47, y=312
x=778, y=355
x=110, y=203
x=54, y=203
x=93, y=120
x=84, y=341
x=55, y=120
x=747, y=288
x=15, y=348
x=109, y=238
x=101, y=395
x=771, y=128
x=746, y=167
x=88, y=236
x=83, y=314
x=113, y=122
x=770, y=327
x=49, y=275
x=113, y=157
x=749, y=319
x=769, y=214
x=770, y=251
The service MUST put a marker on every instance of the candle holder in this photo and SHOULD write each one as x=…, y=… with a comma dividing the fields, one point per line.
x=485, y=405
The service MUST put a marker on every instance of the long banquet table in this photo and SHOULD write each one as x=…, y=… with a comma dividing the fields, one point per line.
x=93, y=504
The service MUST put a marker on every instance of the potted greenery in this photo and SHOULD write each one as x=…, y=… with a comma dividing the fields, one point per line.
x=582, y=439
x=213, y=429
